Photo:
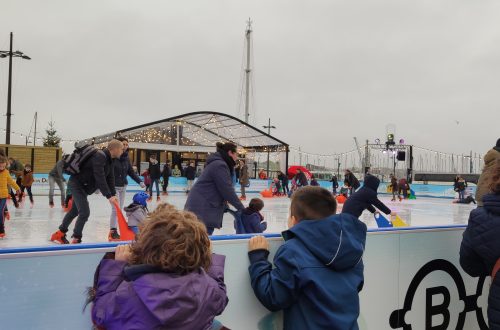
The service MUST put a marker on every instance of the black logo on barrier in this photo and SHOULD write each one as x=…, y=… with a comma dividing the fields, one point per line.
x=397, y=318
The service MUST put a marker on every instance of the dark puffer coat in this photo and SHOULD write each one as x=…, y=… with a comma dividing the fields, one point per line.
x=480, y=250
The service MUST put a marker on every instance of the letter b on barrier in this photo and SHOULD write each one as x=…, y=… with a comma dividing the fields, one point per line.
x=432, y=310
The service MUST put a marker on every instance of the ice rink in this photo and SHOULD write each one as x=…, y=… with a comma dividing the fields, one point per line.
x=33, y=226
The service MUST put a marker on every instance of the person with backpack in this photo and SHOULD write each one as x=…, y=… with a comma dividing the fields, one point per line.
x=91, y=169
x=56, y=177
x=121, y=168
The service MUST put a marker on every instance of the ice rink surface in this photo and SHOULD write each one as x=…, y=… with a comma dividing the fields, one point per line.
x=33, y=226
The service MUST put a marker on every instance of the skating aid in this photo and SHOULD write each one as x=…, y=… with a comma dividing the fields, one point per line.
x=126, y=234
x=382, y=221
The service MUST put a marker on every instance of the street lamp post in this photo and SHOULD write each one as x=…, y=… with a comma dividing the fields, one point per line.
x=269, y=133
x=10, y=54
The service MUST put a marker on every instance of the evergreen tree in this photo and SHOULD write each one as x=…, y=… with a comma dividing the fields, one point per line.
x=52, y=139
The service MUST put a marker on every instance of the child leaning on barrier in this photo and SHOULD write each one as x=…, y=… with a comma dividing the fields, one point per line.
x=318, y=271
x=167, y=279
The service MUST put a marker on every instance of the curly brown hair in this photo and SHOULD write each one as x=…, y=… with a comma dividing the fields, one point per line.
x=494, y=184
x=173, y=240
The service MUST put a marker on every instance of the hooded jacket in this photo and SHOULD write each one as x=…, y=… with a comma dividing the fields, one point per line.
x=253, y=222
x=317, y=274
x=57, y=170
x=122, y=168
x=482, y=184
x=143, y=297
x=480, y=250
x=365, y=199
x=207, y=199
x=136, y=214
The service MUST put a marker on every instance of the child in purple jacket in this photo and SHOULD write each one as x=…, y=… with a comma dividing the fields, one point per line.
x=253, y=221
x=167, y=279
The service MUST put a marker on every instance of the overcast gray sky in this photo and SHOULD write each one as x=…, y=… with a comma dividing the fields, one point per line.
x=325, y=71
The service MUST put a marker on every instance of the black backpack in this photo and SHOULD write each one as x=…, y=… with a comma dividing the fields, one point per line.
x=73, y=163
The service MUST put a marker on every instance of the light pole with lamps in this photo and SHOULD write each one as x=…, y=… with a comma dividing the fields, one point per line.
x=268, y=133
x=10, y=54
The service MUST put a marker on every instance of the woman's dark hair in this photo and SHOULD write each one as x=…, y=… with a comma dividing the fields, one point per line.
x=122, y=139
x=228, y=146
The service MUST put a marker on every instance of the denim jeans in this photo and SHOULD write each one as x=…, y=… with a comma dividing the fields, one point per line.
x=79, y=209
x=52, y=182
x=157, y=183
x=3, y=204
x=461, y=194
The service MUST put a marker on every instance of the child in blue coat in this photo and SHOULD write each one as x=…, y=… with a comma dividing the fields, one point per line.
x=318, y=271
x=253, y=221
x=366, y=199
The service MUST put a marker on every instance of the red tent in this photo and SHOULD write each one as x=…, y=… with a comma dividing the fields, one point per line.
x=292, y=170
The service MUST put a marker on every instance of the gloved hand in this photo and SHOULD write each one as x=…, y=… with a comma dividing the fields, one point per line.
x=142, y=185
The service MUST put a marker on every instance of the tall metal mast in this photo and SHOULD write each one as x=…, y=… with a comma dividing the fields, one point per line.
x=248, y=70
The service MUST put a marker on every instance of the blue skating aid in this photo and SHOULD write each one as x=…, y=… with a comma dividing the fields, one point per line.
x=382, y=221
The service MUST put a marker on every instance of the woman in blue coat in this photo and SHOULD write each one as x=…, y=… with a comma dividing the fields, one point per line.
x=480, y=249
x=214, y=188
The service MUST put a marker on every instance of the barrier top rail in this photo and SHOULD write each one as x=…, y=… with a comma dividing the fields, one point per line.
x=91, y=247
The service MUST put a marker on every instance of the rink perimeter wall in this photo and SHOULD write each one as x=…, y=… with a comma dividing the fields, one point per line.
x=41, y=187
x=412, y=278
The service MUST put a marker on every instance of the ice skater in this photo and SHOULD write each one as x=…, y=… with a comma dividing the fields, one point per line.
x=6, y=183
x=155, y=174
x=165, y=173
x=137, y=212
x=96, y=172
x=352, y=181
x=190, y=173
x=394, y=188
x=122, y=169
x=335, y=184
x=56, y=176
x=366, y=199
x=284, y=182
x=26, y=183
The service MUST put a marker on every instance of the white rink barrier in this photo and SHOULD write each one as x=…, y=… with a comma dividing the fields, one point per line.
x=413, y=280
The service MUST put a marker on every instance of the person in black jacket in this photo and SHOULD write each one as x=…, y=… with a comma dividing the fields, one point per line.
x=121, y=168
x=352, y=181
x=166, y=173
x=301, y=179
x=155, y=174
x=335, y=184
x=366, y=199
x=95, y=174
x=284, y=182
x=190, y=173
x=480, y=248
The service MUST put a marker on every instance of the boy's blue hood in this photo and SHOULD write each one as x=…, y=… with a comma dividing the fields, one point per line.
x=371, y=182
x=337, y=241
